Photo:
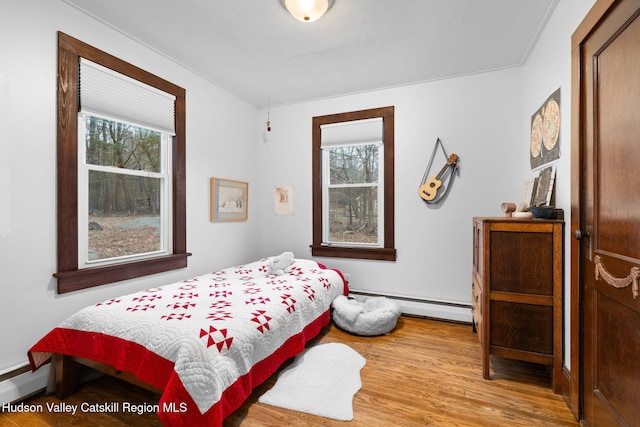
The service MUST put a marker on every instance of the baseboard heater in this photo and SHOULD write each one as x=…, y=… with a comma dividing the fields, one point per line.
x=422, y=307
x=19, y=382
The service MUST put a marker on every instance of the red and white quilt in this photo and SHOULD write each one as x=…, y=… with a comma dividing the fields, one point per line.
x=207, y=341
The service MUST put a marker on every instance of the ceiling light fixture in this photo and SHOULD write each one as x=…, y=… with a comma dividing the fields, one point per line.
x=307, y=10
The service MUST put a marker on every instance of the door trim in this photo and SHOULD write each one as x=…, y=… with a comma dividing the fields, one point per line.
x=575, y=395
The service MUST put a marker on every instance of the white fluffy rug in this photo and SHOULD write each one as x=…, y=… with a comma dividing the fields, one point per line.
x=321, y=381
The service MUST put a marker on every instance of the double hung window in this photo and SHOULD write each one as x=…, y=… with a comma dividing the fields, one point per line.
x=353, y=202
x=124, y=174
x=121, y=170
x=353, y=198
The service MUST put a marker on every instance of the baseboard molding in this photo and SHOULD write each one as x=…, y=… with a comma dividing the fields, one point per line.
x=23, y=384
x=568, y=394
x=445, y=310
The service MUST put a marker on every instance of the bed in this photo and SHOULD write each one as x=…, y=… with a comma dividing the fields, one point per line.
x=203, y=344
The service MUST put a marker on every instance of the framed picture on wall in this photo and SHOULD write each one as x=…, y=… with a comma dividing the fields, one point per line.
x=545, y=132
x=229, y=200
x=283, y=200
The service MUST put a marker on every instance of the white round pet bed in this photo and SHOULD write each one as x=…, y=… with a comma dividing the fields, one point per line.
x=368, y=317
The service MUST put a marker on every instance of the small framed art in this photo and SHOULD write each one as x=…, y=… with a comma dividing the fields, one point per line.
x=283, y=200
x=543, y=191
x=528, y=191
x=229, y=200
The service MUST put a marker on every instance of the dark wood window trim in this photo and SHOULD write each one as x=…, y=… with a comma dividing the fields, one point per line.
x=388, y=251
x=69, y=277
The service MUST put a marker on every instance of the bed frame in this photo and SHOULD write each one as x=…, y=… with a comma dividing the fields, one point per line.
x=67, y=369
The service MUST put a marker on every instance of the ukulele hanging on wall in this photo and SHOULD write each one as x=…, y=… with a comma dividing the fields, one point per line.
x=432, y=190
x=429, y=190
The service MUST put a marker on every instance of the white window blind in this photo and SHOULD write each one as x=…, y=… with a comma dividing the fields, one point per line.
x=367, y=131
x=109, y=94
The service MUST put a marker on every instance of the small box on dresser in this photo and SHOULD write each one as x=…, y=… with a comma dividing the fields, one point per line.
x=517, y=291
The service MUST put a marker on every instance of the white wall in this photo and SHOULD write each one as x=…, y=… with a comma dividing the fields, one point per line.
x=219, y=143
x=547, y=69
x=477, y=117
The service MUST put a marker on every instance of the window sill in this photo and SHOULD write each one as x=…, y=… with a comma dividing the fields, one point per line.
x=74, y=280
x=381, y=254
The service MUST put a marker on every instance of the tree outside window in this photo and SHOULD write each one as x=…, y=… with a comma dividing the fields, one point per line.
x=353, y=187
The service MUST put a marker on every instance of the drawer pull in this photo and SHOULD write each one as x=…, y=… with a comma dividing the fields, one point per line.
x=616, y=282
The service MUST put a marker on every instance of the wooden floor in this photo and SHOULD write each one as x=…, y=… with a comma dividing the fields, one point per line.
x=425, y=373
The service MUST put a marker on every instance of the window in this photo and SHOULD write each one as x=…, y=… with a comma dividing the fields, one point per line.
x=120, y=170
x=353, y=199
x=123, y=189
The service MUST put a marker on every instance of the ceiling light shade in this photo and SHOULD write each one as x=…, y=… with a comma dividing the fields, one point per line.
x=307, y=10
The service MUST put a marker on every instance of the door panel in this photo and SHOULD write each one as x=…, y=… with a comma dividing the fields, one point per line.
x=618, y=143
x=610, y=207
x=615, y=387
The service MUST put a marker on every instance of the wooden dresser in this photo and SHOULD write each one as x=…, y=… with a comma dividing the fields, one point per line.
x=517, y=291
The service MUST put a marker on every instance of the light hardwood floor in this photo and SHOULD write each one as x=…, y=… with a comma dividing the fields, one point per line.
x=425, y=373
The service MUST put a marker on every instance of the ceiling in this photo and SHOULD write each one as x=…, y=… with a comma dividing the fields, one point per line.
x=255, y=50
